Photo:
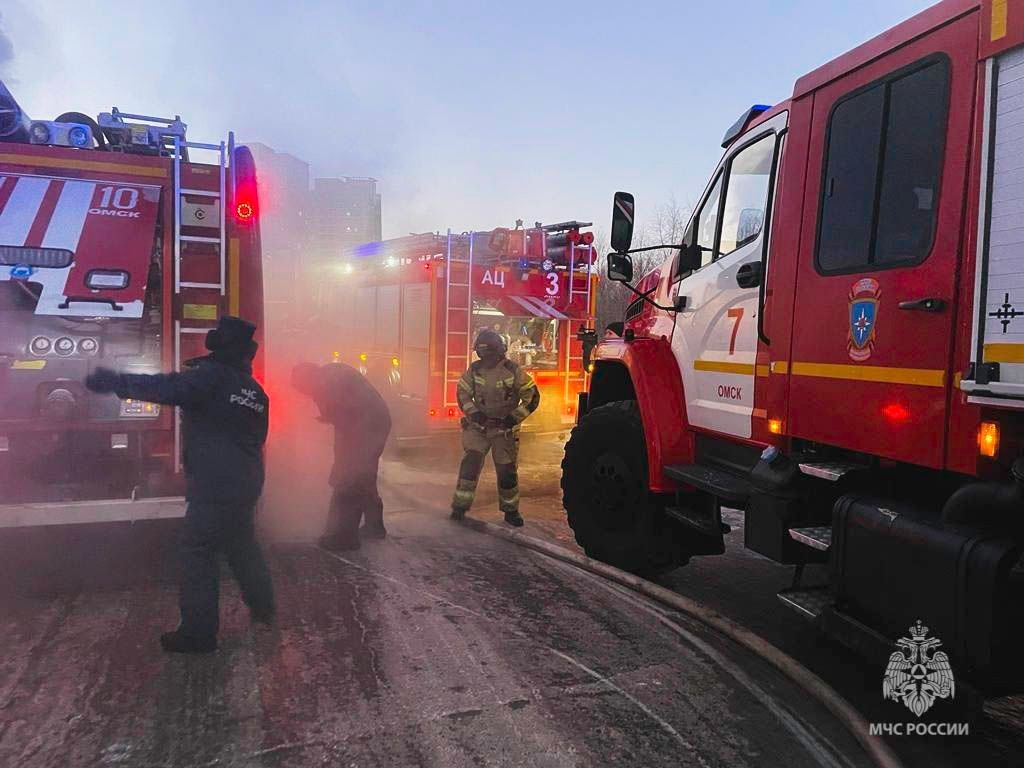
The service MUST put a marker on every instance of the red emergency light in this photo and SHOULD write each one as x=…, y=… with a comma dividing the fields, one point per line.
x=246, y=202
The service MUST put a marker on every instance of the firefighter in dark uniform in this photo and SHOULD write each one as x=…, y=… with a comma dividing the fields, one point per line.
x=496, y=396
x=361, y=424
x=224, y=426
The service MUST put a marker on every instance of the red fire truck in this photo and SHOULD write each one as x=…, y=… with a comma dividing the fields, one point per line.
x=406, y=311
x=837, y=347
x=119, y=248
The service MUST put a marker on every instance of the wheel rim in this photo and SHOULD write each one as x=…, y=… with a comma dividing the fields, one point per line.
x=612, y=491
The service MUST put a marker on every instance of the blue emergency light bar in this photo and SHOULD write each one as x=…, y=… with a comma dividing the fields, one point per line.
x=368, y=249
x=740, y=125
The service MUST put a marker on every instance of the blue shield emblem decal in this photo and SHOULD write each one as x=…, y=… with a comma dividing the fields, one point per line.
x=863, y=318
x=862, y=321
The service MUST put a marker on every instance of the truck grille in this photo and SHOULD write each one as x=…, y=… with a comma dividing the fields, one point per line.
x=634, y=309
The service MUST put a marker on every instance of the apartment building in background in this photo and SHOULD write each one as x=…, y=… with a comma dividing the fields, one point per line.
x=305, y=228
x=346, y=212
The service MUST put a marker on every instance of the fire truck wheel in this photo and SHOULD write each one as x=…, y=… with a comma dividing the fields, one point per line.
x=604, y=490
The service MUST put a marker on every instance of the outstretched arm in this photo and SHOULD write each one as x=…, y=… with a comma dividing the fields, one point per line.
x=186, y=389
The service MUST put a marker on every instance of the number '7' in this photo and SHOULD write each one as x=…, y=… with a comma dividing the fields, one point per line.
x=737, y=314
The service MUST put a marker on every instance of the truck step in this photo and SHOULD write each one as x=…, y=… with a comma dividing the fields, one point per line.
x=819, y=537
x=718, y=482
x=703, y=523
x=809, y=602
x=829, y=470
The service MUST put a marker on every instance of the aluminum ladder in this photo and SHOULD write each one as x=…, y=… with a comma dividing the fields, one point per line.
x=458, y=319
x=576, y=325
x=179, y=154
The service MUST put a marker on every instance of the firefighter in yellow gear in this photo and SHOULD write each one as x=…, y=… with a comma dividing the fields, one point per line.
x=495, y=396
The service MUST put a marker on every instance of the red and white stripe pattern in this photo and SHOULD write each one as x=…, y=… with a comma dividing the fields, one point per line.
x=538, y=308
x=43, y=212
x=50, y=212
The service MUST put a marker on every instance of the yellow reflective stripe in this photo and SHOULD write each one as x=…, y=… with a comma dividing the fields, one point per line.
x=763, y=370
x=508, y=499
x=28, y=365
x=234, y=277
x=746, y=369
x=200, y=311
x=780, y=366
x=1004, y=353
x=923, y=377
x=82, y=165
x=1000, y=13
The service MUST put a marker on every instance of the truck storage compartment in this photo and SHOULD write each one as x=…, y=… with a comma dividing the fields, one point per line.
x=892, y=566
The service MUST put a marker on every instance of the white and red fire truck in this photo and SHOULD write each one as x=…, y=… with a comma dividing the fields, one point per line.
x=117, y=248
x=406, y=311
x=837, y=347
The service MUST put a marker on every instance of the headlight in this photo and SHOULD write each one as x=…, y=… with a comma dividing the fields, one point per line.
x=40, y=133
x=99, y=279
x=64, y=346
x=134, y=409
x=78, y=136
x=40, y=345
x=88, y=346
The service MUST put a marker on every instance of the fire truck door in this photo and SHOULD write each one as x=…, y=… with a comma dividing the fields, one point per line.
x=715, y=338
x=882, y=216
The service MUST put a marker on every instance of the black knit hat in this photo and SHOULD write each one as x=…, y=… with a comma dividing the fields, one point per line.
x=231, y=334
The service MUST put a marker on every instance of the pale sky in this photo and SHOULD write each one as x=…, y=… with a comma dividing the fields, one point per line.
x=471, y=115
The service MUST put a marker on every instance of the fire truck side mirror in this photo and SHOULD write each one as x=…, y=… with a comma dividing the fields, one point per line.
x=622, y=222
x=620, y=268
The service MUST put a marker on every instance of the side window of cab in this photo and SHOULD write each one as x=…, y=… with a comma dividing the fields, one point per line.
x=732, y=214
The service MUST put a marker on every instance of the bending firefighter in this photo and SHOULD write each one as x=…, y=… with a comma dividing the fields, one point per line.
x=496, y=396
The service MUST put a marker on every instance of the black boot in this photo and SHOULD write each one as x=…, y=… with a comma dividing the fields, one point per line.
x=176, y=642
x=514, y=519
x=458, y=514
x=265, y=616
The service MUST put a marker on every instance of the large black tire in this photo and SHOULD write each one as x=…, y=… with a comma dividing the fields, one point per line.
x=604, y=489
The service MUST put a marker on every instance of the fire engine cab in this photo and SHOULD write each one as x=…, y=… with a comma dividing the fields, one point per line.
x=406, y=311
x=837, y=348
x=119, y=247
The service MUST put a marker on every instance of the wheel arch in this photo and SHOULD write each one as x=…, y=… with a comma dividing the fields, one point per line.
x=645, y=370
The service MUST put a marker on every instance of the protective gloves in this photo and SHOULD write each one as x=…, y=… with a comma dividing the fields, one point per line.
x=103, y=380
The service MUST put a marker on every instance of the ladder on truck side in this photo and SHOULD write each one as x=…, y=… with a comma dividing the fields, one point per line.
x=458, y=318
x=183, y=243
x=578, y=292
